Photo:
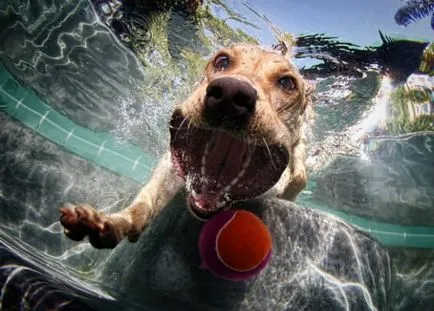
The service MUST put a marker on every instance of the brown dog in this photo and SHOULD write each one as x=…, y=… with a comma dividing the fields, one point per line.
x=239, y=135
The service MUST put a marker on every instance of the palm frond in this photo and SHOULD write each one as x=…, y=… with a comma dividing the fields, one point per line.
x=414, y=10
x=385, y=38
x=432, y=21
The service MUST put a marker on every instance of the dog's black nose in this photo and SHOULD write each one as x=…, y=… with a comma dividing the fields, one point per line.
x=229, y=98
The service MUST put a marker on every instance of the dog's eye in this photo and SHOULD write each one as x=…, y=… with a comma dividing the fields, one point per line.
x=287, y=83
x=221, y=62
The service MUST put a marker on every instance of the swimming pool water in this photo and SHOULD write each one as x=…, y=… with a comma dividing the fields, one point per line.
x=86, y=89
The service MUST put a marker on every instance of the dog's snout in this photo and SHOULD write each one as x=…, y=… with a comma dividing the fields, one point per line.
x=230, y=98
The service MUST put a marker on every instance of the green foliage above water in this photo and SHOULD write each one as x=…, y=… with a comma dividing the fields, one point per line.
x=420, y=124
x=173, y=46
x=194, y=63
x=222, y=32
x=405, y=103
x=151, y=45
x=427, y=63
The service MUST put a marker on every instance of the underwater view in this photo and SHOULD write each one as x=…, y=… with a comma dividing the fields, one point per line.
x=292, y=145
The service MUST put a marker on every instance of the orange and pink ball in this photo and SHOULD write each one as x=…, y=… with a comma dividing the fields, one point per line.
x=235, y=245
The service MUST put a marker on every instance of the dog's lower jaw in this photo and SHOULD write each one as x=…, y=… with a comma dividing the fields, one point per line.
x=219, y=167
x=202, y=214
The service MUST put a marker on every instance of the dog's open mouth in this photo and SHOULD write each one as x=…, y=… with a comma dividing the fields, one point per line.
x=219, y=168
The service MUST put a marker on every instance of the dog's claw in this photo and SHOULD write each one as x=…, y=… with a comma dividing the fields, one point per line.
x=82, y=221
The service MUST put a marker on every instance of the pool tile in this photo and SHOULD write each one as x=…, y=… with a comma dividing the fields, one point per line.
x=35, y=103
x=82, y=147
x=389, y=238
x=115, y=162
x=128, y=150
x=4, y=75
x=54, y=130
x=364, y=224
x=6, y=103
x=14, y=89
x=418, y=241
x=96, y=138
x=63, y=123
x=140, y=174
x=85, y=142
x=28, y=117
x=147, y=162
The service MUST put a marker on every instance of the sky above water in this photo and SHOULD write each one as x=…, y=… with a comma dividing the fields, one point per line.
x=355, y=21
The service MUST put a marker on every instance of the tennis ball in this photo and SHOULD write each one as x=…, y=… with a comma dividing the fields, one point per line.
x=235, y=245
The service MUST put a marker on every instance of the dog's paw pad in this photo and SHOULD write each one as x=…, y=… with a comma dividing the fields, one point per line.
x=81, y=221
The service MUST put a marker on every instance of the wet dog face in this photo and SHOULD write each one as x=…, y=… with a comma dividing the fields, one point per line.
x=232, y=138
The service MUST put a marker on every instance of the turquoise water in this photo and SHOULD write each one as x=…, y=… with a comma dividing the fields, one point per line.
x=85, y=96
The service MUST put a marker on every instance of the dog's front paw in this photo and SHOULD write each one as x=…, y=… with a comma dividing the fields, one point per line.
x=83, y=220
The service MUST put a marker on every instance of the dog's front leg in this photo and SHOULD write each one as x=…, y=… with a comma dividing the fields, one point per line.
x=107, y=230
x=294, y=178
x=298, y=180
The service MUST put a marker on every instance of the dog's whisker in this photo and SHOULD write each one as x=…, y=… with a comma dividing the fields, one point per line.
x=182, y=123
x=269, y=152
x=288, y=109
x=190, y=128
x=180, y=126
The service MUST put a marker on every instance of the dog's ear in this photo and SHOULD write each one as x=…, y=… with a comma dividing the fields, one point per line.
x=285, y=48
x=285, y=45
x=309, y=89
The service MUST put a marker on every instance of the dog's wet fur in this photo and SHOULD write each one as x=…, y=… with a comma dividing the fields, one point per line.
x=239, y=135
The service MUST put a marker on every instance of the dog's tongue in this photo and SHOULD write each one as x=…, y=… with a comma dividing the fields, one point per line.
x=223, y=160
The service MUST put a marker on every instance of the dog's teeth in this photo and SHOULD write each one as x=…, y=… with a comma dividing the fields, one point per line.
x=204, y=158
x=241, y=173
x=235, y=180
x=206, y=151
x=220, y=204
x=194, y=194
x=247, y=162
x=198, y=204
